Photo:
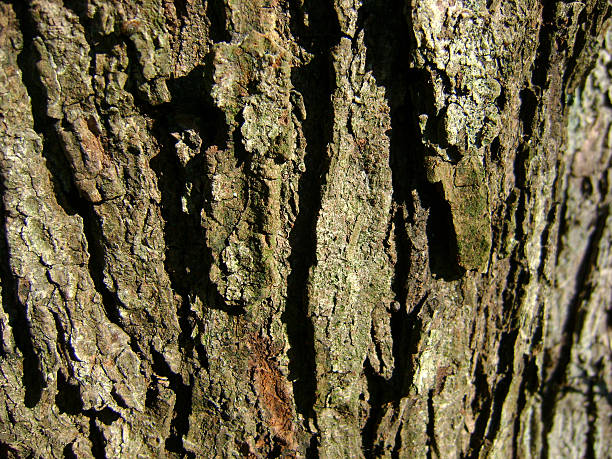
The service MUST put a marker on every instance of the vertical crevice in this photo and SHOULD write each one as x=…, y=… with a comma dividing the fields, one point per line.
x=442, y=243
x=518, y=276
x=529, y=382
x=389, y=39
x=181, y=8
x=591, y=412
x=377, y=389
x=186, y=191
x=431, y=427
x=96, y=249
x=397, y=446
x=67, y=452
x=512, y=298
x=482, y=406
x=44, y=126
x=64, y=192
x=312, y=451
x=97, y=440
x=405, y=329
x=186, y=257
x=315, y=82
x=539, y=73
x=68, y=396
x=505, y=369
x=572, y=327
x=386, y=37
x=192, y=118
x=33, y=379
x=78, y=7
x=527, y=114
x=216, y=12
x=62, y=179
x=179, y=425
x=106, y=416
x=11, y=453
x=441, y=235
x=583, y=55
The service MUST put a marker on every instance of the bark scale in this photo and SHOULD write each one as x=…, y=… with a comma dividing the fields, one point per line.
x=298, y=228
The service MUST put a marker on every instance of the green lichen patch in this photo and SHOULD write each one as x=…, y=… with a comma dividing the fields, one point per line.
x=466, y=191
x=253, y=89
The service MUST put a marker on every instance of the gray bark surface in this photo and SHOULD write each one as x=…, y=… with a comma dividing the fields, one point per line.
x=303, y=228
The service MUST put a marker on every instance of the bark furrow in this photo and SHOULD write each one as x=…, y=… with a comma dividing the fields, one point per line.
x=264, y=228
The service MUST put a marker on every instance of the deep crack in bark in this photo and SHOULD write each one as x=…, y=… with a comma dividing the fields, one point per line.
x=319, y=38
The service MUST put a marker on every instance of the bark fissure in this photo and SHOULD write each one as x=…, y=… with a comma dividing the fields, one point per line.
x=319, y=38
x=481, y=405
x=96, y=265
x=432, y=444
x=66, y=192
x=68, y=398
x=32, y=378
x=556, y=378
x=545, y=39
x=97, y=439
x=216, y=11
x=96, y=433
x=294, y=228
x=587, y=26
x=387, y=35
x=529, y=384
x=591, y=410
x=182, y=407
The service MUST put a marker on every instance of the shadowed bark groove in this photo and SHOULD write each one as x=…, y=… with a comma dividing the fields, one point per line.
x=571, y=329
x=32, y=379
x=66, y=192
x=262, y=228
x=319, y=37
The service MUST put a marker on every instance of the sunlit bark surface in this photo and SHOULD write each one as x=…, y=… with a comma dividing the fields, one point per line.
x=305, y=228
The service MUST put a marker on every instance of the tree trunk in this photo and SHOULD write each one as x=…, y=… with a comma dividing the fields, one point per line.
x=305, y=228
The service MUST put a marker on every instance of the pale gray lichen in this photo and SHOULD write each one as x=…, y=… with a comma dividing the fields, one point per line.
x=253, y=89
x=465, y=73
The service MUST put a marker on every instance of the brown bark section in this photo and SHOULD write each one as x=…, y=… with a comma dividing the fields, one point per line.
x=303, y=228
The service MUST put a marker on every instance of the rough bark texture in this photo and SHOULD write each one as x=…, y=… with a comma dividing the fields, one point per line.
x=336, y=228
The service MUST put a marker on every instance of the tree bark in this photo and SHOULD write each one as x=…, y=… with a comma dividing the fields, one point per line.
x=305, y=228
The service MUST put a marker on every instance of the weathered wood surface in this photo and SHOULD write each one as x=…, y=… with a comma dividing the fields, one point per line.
x=270, y=228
